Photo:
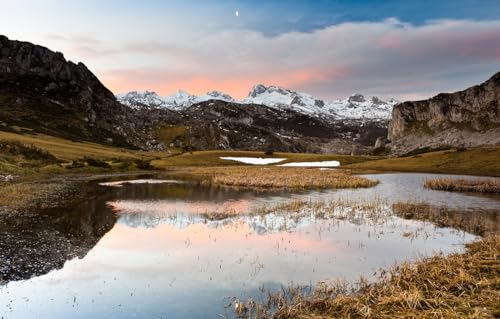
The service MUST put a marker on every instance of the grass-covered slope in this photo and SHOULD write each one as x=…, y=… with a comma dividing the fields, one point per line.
x=477, y=161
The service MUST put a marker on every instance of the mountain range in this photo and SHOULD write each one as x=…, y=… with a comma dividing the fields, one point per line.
x=356, y=106
x=40, y=91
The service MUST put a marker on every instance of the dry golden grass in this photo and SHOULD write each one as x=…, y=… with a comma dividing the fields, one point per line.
x=479, y=222
x=25, y=195
x=69, y=150
x=219, y=215
x=464, y=185
x=477, y=161
x=457, y=286
x=463, y=285
x=273, y=177
x=213, y=158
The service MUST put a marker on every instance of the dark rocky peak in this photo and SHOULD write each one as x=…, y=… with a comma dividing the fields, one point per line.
x=377, y=101
x=41, y=90
x=257, y=90
x=357, y=98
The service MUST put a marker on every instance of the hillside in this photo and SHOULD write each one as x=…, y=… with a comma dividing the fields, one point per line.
x=42, y=91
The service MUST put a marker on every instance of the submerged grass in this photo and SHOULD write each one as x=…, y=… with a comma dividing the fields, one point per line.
x=273, y=177
x=457, y=286
x=464, y=185
x=462, y=285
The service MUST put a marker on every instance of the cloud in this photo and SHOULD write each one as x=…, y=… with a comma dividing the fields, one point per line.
x=388, y=58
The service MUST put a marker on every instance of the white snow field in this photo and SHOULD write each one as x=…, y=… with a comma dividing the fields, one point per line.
x=254, y=160
x=312, y=164
x=140, y=181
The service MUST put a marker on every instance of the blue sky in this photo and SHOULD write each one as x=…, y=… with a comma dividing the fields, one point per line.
x=405, y=49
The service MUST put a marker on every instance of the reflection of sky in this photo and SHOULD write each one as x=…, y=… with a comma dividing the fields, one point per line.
x=186, y=272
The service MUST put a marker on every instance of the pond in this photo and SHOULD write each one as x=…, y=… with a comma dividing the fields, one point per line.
x=149, y=250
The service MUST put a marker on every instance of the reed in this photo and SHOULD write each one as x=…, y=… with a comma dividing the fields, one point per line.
x=464, y=185
x=273, y=177
x=460, y=285
x=457, y=286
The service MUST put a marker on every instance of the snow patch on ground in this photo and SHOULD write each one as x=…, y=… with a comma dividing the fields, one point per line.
x=313, y=164
x=140, y=181
x=254, y=160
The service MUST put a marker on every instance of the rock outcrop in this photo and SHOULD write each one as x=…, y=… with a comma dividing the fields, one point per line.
x=42, y=91
x=467, y=118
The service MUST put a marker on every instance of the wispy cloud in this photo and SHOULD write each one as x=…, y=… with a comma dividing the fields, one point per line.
x=389, y=58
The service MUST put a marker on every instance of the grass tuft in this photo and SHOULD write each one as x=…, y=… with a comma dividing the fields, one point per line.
x=464, y=185
x=273, y=177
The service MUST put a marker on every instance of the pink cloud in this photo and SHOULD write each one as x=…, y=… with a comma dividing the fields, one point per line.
x=387, y=58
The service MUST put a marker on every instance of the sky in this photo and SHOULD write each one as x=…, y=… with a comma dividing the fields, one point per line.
x=403, y=49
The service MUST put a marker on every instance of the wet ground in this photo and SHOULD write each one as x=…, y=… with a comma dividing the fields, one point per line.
x=149, y=251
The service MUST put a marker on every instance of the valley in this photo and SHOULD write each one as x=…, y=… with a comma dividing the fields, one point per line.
x=277, y=205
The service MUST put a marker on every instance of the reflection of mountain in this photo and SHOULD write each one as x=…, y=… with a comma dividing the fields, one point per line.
x=270, y=223
x=34, y=245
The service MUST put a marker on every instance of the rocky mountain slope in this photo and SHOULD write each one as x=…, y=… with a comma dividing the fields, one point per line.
x=40, y=90
x=356, y=106
x=467, y=118
x=218, y=124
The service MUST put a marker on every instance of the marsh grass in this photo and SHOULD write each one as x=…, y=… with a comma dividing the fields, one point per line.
x=464, y=185
x=219, y=215
x=375, y=210
x=457, y=286
x=479, y=222
x=462, y=285
x=274, y=177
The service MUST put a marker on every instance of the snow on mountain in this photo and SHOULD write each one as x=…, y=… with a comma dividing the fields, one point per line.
x=140, y=99
x=178, y=101
x=357, y=106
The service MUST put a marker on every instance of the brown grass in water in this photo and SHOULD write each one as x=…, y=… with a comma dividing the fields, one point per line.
x=479, y=222
x=464, y=185
x=274, y=177
x=456, y=286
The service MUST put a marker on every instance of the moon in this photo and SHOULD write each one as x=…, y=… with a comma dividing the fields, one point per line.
x=237, y=13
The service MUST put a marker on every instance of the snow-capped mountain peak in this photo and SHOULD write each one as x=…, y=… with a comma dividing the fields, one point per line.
x=355, y=106
x=177, y=101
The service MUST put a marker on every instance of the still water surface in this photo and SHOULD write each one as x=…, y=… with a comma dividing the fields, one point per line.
x=162, y=259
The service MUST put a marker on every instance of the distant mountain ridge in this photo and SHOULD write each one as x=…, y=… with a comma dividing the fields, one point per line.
x=356, y=106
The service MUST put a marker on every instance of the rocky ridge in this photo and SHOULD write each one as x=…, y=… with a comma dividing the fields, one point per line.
x=467, y=118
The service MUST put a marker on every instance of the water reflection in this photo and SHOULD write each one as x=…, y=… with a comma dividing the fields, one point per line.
x=34, y=244
x=164, y=259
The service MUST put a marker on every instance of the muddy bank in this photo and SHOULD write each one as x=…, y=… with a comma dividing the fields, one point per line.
x=44, y=223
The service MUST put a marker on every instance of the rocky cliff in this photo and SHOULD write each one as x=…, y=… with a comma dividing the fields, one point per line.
x=40, y=90
x=467, y=118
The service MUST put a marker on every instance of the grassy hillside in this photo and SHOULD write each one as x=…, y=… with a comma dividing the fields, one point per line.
x=212, y=158
x=477, y=161
x=68, y=150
